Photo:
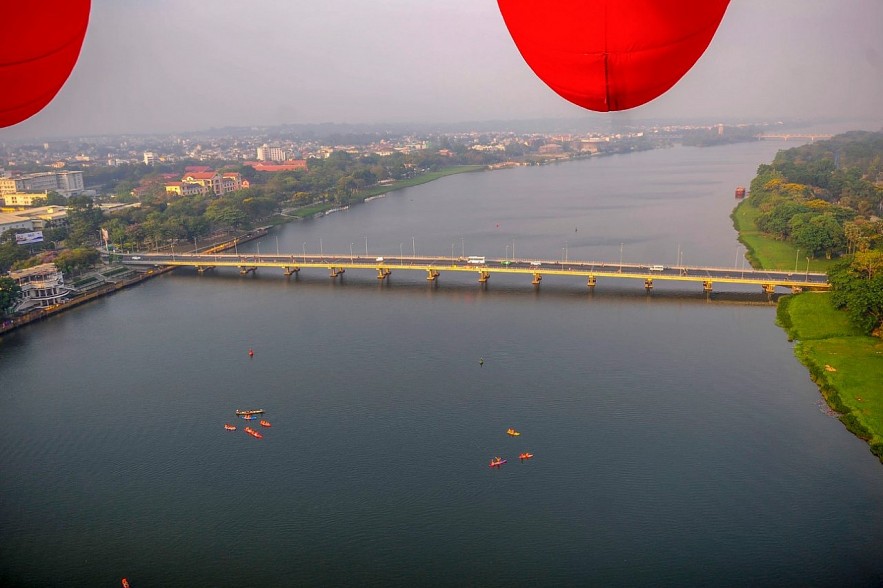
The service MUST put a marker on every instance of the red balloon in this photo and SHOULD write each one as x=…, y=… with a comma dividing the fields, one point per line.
x=40, y=44
x=611, y=54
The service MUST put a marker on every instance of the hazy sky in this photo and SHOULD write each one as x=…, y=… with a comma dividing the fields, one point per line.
x=184, y=65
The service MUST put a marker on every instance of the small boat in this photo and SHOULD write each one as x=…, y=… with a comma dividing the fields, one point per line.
x=248, y=417
x=253, y=433
x=497, y=462
x=248, y=412
x=125, y=583
x=230, y=427
x=512, y=433
x=525, y=455
x=266, y=424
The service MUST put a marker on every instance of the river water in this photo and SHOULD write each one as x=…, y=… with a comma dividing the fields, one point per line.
x=677, y=440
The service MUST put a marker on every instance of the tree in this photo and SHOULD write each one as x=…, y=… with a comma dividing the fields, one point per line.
x=857, y=287
x=10, y=292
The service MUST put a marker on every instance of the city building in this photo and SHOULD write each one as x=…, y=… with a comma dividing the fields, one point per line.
x=204, y=182
x=44, y=217
x=290, y=165
x=149, y=157
x=66, y=183
x=266, y=153
x=41, y=286
x=11, y=222
x=22, y=198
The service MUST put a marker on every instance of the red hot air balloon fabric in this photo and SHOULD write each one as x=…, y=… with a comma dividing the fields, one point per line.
x=39, y=47
x=611, y=54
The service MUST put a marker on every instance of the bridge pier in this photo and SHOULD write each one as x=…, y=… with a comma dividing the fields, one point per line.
x=591, y=282
x=335, y=271
x=290, y=270
x=245, y=269
x=204, y=268
x=769, y=288
x=796, y=289
x=432, y=275
x=483, y=276
x=648, y=284
x=383, y=273
x=537, y=278
x=706, y=286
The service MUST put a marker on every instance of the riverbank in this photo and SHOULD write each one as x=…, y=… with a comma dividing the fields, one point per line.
x=91, y=290
x=846, y=365
x=379, y=190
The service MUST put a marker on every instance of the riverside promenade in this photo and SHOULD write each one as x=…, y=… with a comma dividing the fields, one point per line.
x=112, y=285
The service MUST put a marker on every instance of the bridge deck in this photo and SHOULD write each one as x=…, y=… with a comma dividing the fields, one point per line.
x=433, y=266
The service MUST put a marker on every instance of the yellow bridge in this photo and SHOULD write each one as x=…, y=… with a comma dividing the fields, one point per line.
x=336, y=265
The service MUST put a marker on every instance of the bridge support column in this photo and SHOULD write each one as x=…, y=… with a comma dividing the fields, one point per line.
x=591, y=282
x=335, y=271
x=383, y=273
x=769, y=288
x=796, y=289
x=291, y=270
x=537, y=278
x=245, y=269
x=204, y=268
x=432, y=275
x=706, y=285
x=483, y=276
x=648, y=283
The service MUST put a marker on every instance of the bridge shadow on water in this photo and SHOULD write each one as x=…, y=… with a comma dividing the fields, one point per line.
x=499, y=286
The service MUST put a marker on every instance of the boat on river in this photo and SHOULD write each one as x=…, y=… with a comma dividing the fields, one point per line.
x=230, y=427
x=512, y=433
x=497, y=462
x=249, y=412
x=525, y=455
x=266, y=424
x=253, y=433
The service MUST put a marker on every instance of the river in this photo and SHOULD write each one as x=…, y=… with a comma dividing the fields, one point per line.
x=677, y=440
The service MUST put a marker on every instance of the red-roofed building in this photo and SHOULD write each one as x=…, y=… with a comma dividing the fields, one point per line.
x=289, y=165
x=197, y=169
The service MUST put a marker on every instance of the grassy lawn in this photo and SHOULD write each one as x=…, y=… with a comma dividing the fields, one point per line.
x=847, y=366
x=422, y=179
x=310, y=210
x=766, y=252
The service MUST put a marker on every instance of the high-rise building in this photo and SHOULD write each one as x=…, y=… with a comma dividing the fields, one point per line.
x=149, y=157
x=266, y=153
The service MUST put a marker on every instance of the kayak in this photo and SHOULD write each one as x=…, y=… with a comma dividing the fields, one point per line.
x=525, y=456
x=495, y=463
x=230, y=427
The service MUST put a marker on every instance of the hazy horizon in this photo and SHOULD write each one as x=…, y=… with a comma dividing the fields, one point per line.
x=169, y=66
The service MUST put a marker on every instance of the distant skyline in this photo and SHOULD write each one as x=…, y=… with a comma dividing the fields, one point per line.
x=161, y=66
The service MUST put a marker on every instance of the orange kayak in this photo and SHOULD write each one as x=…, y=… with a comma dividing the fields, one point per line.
x=230, y=427
x=266, y=424
x=525, y=456
x=253, y=433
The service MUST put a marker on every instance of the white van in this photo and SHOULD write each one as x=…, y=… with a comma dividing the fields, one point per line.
x=656, y=268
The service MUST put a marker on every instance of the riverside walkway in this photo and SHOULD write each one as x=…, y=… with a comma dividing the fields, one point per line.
x=432, y=267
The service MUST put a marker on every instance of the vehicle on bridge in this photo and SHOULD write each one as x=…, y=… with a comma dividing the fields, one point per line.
x=478, y=260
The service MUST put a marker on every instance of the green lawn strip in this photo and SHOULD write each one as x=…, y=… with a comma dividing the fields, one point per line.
x=767, y=253
x=811, y=316
x=846, y=365
x=421, y=179
x=849, y=372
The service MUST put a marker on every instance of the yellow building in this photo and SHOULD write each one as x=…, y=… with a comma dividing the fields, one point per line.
x=23, y=198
